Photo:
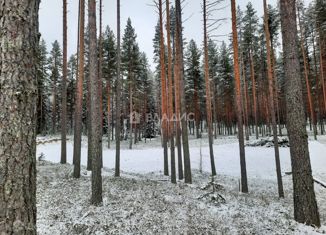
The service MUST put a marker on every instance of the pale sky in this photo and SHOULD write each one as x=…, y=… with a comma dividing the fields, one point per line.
x=143, y=17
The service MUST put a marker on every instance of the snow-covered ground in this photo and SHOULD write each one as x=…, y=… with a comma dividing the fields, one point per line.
x=148, y=157
x=143, y=201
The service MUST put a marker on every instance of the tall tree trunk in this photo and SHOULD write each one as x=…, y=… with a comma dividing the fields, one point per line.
x=108, y=91
x=317, y=80
x=253, y=80
x=118, y=96
x=244, y=183
x=245, y=98
x=89, y=124
x=306, y=75
x=130, y=110
x=177, y=110
x=163, y=93
x=18, y=99
x=100, y=75
x=322, y=78
x=64, y=90
x=54, y=103
x=305, y=204
x=79, y=91
x=179, y=55
x=95, y=115
x=208, y=94
x=170, y=94
x=272, y=102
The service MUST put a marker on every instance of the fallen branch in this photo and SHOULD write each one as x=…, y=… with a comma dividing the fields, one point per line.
x=321, y=183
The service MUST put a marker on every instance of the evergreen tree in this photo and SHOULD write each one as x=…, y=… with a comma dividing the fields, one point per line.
x=55, y=68
x=43, y=89
x=194, y=82
x=130, y=62
x=71, y=90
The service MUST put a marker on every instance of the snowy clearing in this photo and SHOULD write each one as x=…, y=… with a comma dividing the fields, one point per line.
x=143, y=201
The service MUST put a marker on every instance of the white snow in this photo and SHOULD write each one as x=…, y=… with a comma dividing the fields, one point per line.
x=143, y=201
x=145, y=159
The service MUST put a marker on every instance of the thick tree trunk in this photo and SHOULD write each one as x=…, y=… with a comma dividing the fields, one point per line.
x=64, y=89
x=244, y=183
x=79, y=92
x=95, y=115
x=179, y=55
x=208, y=95
x=272, y=102
x=18, y=99
x=305, y=204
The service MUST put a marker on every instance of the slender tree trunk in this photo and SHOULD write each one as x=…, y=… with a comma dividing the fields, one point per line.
x=317, y=83
x=89, y=125
x=130, y=111
x=163, y=93
x=95, y=115
x=179, y=55
x=253, y=79
x=108, y=91
x=305, y=204
x=118, y=96
x=244, y=183
x=18, y=99
x=272, y=102
x=306, y=75
x=79, y=92
x=245, y=98
x=100, y=75
x=170, y=94
x=208, y=95
x=64, y=90
x=177, y=112
x=54, y=103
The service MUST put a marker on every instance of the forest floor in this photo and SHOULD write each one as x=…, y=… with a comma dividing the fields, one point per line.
x=142, y=201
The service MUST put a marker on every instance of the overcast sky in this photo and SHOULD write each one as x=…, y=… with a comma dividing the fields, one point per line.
x=143, y=17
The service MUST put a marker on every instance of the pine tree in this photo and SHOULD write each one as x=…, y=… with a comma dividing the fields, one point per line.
x=306, y=66
x=79, y=92
x=179, y=78
x=42, y=87
x=109, y=72
x=226, y=85
x=272, y=103
x=18, y=100
x=194, y=82
x=208, y=92
x=55, y=67
x=244, y=184
x=305, y=205
x=250, y=22
x=64, y=89
x=118, y=96
x=163, y=91
x=96, y=138
x=71, y=90
x=130, y=61
x=170, y=93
